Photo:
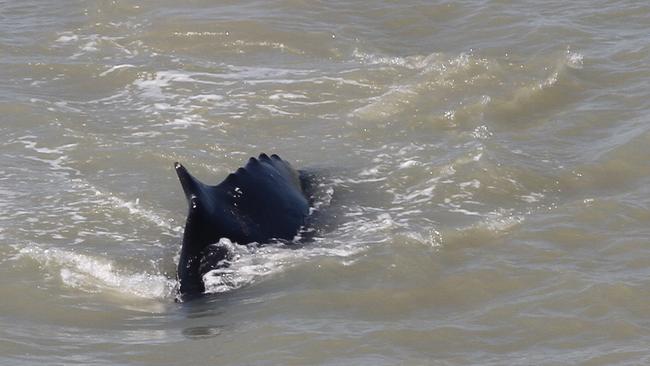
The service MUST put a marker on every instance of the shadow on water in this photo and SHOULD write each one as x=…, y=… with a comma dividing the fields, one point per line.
x=319, y=188
x=204, y=316
x=202, y=332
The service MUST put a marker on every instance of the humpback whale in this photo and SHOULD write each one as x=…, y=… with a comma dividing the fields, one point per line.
x=263, y=201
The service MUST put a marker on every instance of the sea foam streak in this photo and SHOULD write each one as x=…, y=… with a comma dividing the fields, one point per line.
x=93, y=274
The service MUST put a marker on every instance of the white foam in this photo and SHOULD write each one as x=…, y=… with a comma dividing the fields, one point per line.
x=274, y=110
x=274, y=45
x=532, y=197
x=289, y=96
x=152, y=86
x=115, y=68
x=252, y=263
x=184, y=123
x=574, y=60
x=90, y=46
x=424, y=193
x=67, y=38
x=94, y=274
x=416, y=62
x=136, y=209
x=482, y=133
x=465, y=212
x=29, y=143
x=206, y=98
x=474, y=183
x=409, y=164
x=263, y=74
x=383, y=222
x=500, y=221
x=419, y=76
x=200, y=34
x=550, y=81
x=370, y=172
x=92, y=43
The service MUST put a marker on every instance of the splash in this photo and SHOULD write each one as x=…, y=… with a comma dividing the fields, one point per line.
x=574, y=60
x=93, y=274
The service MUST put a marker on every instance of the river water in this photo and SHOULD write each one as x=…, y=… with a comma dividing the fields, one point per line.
x=482, y=169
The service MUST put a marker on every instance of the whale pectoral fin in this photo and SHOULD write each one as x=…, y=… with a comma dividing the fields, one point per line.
x=262, y=201
x=195, y=235
x=189, y=277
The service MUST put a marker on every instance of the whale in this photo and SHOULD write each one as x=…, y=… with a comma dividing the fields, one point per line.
x=261, y=202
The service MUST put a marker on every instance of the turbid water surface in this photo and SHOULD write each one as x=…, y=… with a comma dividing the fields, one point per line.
x=483, y=180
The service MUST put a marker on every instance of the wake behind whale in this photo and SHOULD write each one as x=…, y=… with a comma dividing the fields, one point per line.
x=264, y=200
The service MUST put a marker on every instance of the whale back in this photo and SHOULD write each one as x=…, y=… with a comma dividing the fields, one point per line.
x=261, y=201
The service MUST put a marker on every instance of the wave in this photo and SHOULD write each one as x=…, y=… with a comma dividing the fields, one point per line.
x=95, y=274
x=459, y=91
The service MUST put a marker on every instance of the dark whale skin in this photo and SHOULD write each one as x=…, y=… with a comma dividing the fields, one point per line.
x=260, y=202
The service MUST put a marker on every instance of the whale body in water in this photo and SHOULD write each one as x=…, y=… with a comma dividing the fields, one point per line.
x=263, y=201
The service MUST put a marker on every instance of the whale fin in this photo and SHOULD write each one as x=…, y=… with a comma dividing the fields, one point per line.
x=188, y=182
x=261, y=201
x=193, y=239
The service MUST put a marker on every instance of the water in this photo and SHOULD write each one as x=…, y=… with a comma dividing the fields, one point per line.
x=483, y=180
